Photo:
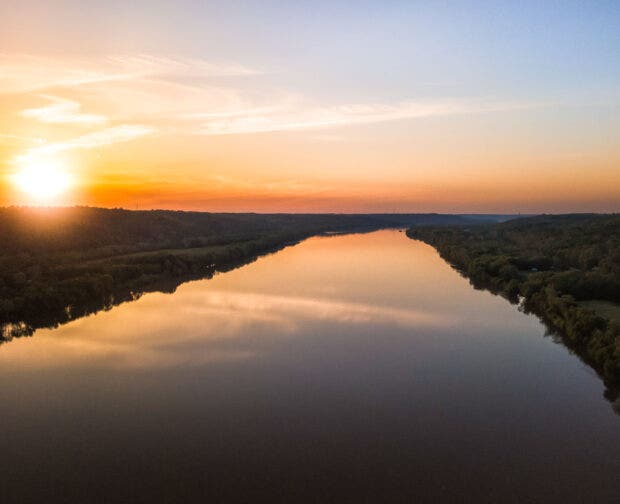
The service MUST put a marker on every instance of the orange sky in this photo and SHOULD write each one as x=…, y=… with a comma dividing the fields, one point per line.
x=378, y=125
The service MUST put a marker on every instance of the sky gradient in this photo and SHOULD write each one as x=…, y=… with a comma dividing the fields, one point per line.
x=312, y=106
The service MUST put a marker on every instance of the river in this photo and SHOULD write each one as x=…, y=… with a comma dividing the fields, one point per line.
x=350, y=368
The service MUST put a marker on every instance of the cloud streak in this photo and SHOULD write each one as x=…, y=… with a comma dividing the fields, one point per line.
x=11, y=138
x=62, y=111
x=28, y=73
x=143, y=94
x=116, y=134
x=301, y=118
x=143, y=88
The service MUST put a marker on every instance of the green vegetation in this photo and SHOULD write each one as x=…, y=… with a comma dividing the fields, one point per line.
x=565, y=269
x=62, y=263
x=606, y=309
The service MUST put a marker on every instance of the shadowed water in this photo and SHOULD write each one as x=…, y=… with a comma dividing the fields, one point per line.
x=357, y=368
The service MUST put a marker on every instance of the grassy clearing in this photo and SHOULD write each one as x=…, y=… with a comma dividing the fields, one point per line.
x=605, y=309
x=178, y=252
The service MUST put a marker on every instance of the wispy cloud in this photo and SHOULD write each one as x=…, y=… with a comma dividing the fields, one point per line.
x=11, y=138
x=144, y=88
x=116, y=134
x=308, y=117
x=20, y=73
x=142, y=94
x=62, y=111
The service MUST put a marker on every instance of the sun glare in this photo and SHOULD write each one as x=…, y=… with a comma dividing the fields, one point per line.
x=43, y=180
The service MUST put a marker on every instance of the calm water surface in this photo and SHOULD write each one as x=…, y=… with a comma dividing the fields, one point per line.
x=355, y=368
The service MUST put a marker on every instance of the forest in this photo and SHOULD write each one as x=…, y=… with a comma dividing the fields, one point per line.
x=57, y=264
x=563, y=268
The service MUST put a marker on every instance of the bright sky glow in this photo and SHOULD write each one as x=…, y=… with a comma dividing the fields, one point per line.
x=313, y=106
x=42, y=181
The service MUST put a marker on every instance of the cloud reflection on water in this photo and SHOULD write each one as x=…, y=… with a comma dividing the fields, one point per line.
x=193, y=326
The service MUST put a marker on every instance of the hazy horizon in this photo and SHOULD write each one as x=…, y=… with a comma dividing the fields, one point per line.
x=318, y=212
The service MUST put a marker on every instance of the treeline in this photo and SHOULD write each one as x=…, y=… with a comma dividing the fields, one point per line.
x=552, y=265
x=61, y=263
x=98, y=232
x=75, y=290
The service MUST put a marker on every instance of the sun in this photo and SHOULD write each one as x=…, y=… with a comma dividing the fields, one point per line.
x=43, y=180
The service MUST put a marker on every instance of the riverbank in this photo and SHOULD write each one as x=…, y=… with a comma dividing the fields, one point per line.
x=58, y=264
x=560, y=268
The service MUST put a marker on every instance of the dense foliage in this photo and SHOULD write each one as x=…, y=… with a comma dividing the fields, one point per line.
x=61, y=263
x=554, y=266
